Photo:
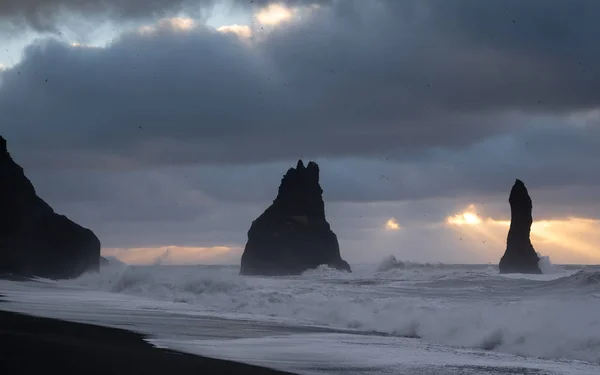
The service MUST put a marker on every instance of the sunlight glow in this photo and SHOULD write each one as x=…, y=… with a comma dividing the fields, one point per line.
x=243, y=31
x=77, y=44
x=468, y=217
x=577, y=234
x=571, y=240
x=392, y=224
x=175, y=23
x=175, y=255
x=181, y=23
x=274, y=14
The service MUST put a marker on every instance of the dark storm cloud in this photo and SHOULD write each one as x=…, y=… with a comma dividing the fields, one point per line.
x=440, y=109
x=555, y=34
x=482, y=174
x=210, y=206
x=49, y=15
x=45, y=15
x=413, y=110
x=539, y=25
x=356, y=78
x=165, y=207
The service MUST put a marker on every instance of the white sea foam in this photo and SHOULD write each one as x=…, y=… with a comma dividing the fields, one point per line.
x=549, y=316
x=546, y=265
x=554, y=317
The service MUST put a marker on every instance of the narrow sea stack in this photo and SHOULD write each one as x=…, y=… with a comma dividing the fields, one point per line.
x=292, y=235
x=34, y=240
x=520, y=256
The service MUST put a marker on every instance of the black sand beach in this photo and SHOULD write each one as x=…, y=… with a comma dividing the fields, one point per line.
x=34, y=345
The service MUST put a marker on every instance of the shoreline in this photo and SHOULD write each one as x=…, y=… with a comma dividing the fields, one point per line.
x=31, y=344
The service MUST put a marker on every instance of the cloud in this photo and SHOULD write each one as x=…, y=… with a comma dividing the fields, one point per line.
x=243, y=31
x=174, y=23
x=177, y=134
x=44, y=15
x=51, y=15
x=468, y=217
x=168, y=208
x=324, y=85
x=392, y=224
x=274, y=14
x=483, y=174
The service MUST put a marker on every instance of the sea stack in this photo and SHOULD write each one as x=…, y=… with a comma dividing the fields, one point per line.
x=34, y=240
x=292, y=235
x=520, y=256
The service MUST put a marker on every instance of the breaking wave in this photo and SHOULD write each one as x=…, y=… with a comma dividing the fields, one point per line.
x=581, y=279
x=552, y=317
x=546, y=265
x=391, y=263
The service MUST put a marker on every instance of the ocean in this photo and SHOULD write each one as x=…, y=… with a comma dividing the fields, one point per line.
x=386, y=318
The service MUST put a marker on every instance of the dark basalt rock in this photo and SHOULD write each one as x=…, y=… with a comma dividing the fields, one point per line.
x=292, y=235
x=34, y=240
x=520, y=256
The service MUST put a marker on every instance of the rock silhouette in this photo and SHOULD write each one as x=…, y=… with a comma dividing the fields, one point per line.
x=34, y=240
x=292, y=235
x=520, y=256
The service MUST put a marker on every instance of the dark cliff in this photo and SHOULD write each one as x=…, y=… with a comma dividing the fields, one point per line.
x=34, y=240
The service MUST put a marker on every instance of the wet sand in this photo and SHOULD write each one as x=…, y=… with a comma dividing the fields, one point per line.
x=34, y=345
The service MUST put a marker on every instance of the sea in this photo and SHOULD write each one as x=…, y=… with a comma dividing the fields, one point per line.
x=391, y=317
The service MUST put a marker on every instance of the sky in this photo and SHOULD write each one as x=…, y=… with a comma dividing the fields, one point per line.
x=166, y=126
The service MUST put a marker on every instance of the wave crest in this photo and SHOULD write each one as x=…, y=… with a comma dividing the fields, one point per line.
x=391, y=263
x=581, y=278
x=434, y=302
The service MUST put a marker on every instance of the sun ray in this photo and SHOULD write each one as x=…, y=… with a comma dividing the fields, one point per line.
x=572, y=238
x=468, y=217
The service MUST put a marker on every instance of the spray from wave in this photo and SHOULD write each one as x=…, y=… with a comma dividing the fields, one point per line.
x=473, y=307
x=163, y=258
x=391, y=263
x=546, y=265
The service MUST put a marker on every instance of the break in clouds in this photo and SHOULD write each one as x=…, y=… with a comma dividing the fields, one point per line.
x=175, y=133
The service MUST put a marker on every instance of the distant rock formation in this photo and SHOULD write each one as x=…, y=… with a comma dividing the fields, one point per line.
x=292, y=235
x=520, y=256
x=34, y=240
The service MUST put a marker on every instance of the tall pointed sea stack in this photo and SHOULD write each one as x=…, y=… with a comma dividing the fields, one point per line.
x=520, y=256
x=34, y=240
x=292, y=235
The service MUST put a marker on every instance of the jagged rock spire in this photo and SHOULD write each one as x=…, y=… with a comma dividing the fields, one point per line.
x=292, y=235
